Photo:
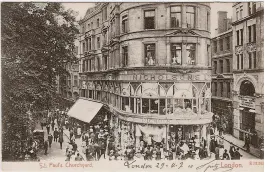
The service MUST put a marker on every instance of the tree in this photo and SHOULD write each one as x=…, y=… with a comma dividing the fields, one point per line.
x=37, y=42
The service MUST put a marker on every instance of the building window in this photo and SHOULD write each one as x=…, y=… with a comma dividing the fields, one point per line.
x=98, y=62
x=215, y=67
x=242, y=61
x=104, y=38
x=125, y=104
x=251, y=7
x=124, y=24
x=221, y=89
x=239, y=35
x=84, y=47
x=221, y=45
x=149, y=54
x=227, y=65
x=238, y=62
x=190, y=14
x=75, y=80
x=215, y=46
x=175, y=16
x=125, y=56
x=237, y=38
x=97, y=22
x=150, y=106
x=98, y=42
x=221, y=66
x=105, y=58
x=90, y=64
x=239, y=12
x=228, y=89
x=208, y=21
x=191, y=50
x=89, y=44
x=149, y=19
x=227, y=43
x=252, y=33
x=209, y=54
x=215, y=87
x=176, y=54
x=254, y=60
x=105, y=15
x=249, y=61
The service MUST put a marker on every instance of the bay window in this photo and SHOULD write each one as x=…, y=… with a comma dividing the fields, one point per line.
x=190, y=14
x=176, y=54
x=149, y=54
x=175, y=16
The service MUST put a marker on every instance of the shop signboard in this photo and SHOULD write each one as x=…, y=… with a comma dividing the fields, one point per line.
x=155, y=77
x=247, y=101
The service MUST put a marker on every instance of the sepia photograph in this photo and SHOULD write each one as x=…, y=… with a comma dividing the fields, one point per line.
x=133, y=83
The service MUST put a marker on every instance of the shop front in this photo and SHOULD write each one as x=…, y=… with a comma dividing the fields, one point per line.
x=162, y=131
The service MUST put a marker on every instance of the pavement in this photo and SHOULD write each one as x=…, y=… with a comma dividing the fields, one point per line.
x=54, y=153
x=254, y=152
x=57, y=154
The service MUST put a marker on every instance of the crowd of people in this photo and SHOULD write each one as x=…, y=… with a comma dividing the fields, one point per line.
x=97, y=141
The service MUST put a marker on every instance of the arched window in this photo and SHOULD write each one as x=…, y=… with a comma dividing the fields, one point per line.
x=247, y=89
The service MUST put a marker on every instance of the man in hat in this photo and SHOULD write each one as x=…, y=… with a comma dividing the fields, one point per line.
x=61, y=140
x=46, y=145
x=50, y=140
x=56, y=135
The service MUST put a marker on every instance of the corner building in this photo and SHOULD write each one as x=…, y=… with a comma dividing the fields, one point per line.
x=248, y=70
x=150, y=64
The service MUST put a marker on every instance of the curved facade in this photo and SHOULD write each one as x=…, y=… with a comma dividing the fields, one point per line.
x=151, y=63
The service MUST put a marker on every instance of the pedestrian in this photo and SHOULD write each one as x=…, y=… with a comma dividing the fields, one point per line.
x=78, y=157
x=48, y=128
x=52, y=124
x=74, y=147
x=56, y=135
x=61, y=141
x=237, y=154
x=217, y=156
x=247, y=142
x=50, y=139
x=232, y=152
x=225, y=155
x=46, y=144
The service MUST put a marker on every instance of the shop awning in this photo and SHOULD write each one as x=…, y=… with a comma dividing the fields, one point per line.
x=84, y=110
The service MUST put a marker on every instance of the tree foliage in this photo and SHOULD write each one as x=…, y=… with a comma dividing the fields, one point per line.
x=37, y=42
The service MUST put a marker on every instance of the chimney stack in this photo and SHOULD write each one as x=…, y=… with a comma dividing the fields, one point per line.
x=222, y=21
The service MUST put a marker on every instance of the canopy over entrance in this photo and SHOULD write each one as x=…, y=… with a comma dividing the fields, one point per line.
x=84, y=110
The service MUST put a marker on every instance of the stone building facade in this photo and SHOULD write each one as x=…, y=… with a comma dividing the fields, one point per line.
x=248, y=70
x=222, y=75
x=150, y=63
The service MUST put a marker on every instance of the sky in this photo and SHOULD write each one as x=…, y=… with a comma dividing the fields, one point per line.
x=81, y=8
